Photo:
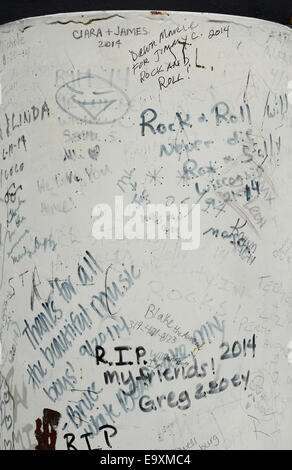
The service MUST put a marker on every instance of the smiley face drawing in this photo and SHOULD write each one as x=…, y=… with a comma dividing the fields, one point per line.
x=93, y=100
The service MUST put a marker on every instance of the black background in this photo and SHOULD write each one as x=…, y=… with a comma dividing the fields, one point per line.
x=279, y=11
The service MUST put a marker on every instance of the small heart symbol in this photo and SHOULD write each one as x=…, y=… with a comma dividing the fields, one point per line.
x=93, y=153
x=8, y=422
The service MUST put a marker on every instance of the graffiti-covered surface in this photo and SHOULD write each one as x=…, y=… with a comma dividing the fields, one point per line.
x=145, y=232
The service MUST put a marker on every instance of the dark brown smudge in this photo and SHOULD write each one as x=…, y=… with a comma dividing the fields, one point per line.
x=47, y=436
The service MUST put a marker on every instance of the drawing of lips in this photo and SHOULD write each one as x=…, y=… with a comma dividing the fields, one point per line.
x=93, y=99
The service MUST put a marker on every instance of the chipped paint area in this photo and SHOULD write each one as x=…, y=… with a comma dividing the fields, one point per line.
x=46, y=430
